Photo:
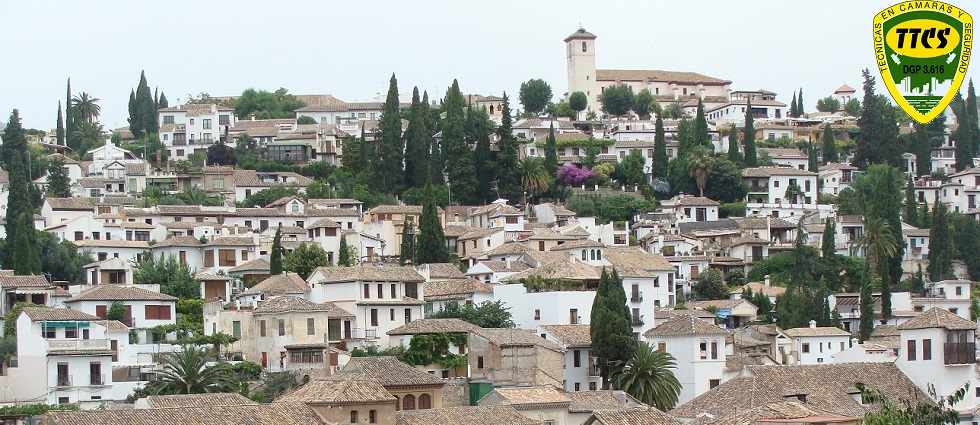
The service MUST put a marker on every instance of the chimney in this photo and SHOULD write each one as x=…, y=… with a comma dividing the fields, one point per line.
x=507, y=261
x=813, y=323
x=767, y=280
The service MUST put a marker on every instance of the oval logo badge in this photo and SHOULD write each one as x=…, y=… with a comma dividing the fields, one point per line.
x=923, y=38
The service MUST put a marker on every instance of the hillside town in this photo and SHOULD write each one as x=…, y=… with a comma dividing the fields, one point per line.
x=644, y=247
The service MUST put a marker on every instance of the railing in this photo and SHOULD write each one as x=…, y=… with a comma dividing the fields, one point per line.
x=180, y=128
x=78, y=344
x=960, y=352
x=97, y=380
x=638, y=321
x=636, y=297
x=361, y=333
x=758, y=189
x=64, y=381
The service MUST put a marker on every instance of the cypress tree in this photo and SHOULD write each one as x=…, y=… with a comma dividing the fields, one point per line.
x=343, y=257
x=408, y=244
x=733, y=154
x=829, y=146
x=23, y=254
x=661, y=162
x=437, y=161
x=922, y=147
x=813, y=163
x=458, y=155
x=59, y=185
x=478, y=131
x=700, y=131
x=611, y=328
x=925, y=219
x=886, y=203
x=60, y=130
x=69, y=117
x=971, y=115
x=416, y=156
x=551, y=152
x=878, y=132
x=163, y=103
x=133, y=122
x=508, y=176
x=800, y=111
x=430, y=245
x=364, y=153
x=867, y=323
x=389, y=149
x=750, y=155
x=911, y=215
x=940, y=244
x=142, y=110
x=792, y=106
x=685, y=140
x=275, y=256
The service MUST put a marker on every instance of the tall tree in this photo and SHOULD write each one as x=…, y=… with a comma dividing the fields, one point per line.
x=971, y=115
x=534, y=95
x=578, y=101
x=940, y=244
x=69, y=122
x=661, y=162
x=878, y=129
x=617, y=100
x=60, y=129
x=700, y=130
x=479, y=127
x=813, y=164
x=344, y=256
x=508, y=175
x=800, y=110
x=59, y=185
x=437, y=158
x=22, y=253
x=867, y=323
x=699, y=165
x=416, y=146
x=458, y=155
x=879, y=246
x=275, y=256
x=911, y=213
x=733, y=153
x=163, y=103
x=751, y=160
x=611, y=329
x=828, y=246
x=390, y=147
x=408, y=244
x=922, y=147
x=551, y=152
x=430, y=245
x=829, y=146
x=142, y=120
x=792, y=107
x=87, y=106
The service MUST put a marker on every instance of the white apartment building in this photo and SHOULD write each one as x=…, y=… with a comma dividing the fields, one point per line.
x=699, y=349
x=768, y=185
x=581, y=369
x=818, y=345
x=187, y=129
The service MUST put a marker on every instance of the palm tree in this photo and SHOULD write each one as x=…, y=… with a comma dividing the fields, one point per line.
x=193, y=195
x=878, y=241
x=187, y=372
x=648, y=377
x=534, y=175
x=87, y=106
x=699, y=165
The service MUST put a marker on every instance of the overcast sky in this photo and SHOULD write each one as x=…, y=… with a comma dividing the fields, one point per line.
x=350, y=49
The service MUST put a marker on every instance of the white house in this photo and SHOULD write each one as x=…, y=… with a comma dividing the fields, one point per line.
x=687, y=208
x=835, y=177
x=581, y=369
x=768, y=185
x=818, y=345
x=144, y=308
x=699, y=349
x=187, y=129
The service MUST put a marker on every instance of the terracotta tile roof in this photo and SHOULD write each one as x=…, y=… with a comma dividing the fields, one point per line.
x=562, y=268
x=505, y=337
x=570, y=335
x=827, y=387
x=509, y=248
x=670, y=312
x=763, y=223
x=283, y=304
x=198, y=400
x=259, y=414
x=749, y=240
x=784, y=152
x=726, y=303
x=324, y=222
x=836, y=166
x=367, y=273
x=550, y=235
x=818, y=331
x=433, y=326
x=114, y=243
x=91, y=182
x=256, y=265
x=233, y=241
x=581, y=33
x=696, y=201
x=938, y=318
x=637, y=258
x=12, y=281
x=501, y=266
x=251, y=178
x=560, y=210
x=455, y=231
x=331, y=212
x=75, y=204
x=113, y=325
x=757, y=287
x=655, y=75
x=178, y=241
x=482, y=415
x=649, y=416
x=135, y=225
x=917, y=233
x=480, y=233
x=455, y=289
x=111, y=292
x=786, y=410
x=591, y=401
x=581, y=243
x=41, y=314
x=845, y=89
x=775, y=171
x=196, y=108
x=395, y=209
x=390, y=372
x=344, y=388
x=684, y=325
x=885, y=331
x=286, y=283
x=532, y=395
x=444, y=271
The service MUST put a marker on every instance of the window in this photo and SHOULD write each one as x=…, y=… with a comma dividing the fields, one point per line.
x=578, y=386
x=381, y=290
x=713, y=383
x=367, y=290
x=585, y=47
x=207, y=124
x=236, y=329
x=577, y=358
x=374, y=317
x=806, y=348
x=310, y=326
x=95, y=373
x=262, y=328
x=394, y=291
x=218, y=183
x=353, y=417
x=926, y=349
x=911, y=350
x=479, y=362
x=226, y=257
x=392, y=314
x=282, y=327
x=408, y=403
x=662, y=346
x=408, y=316
x=714, y=350
x=775, y=183
x=71, y=333
x=573, y=316
x=373, y=417
x=537, y=314
x=959, y=290
x=157, y=312
x=192, y=121
x=168, y=119
x=703, y=348
x=425, y=401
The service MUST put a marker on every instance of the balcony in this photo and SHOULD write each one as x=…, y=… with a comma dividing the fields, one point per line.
x=593, y=366
x=637, y=320
x=77, y=345
x=956, y=353
x=180, y=128
x=636, y=297
x=97, y=380
x=361, y=333
x=64, y=380
x=758, y=189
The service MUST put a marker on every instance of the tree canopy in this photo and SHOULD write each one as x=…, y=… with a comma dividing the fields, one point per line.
x=535, y=95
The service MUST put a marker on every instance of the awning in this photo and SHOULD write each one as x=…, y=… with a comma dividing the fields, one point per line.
x=64, y=324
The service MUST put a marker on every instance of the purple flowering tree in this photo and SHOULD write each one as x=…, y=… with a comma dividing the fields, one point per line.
x=573, y=176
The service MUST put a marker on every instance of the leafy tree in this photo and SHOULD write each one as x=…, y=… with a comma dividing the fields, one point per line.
x=699, y=166
x=648, y=376
x=59, y=185
x=457, y=154
x=853, y=107
x=22, y=254
x=673, y=111
x=710, y=285
x=87, y=106
x=878, y=131
x=62, y=259
x=247, y=149
x=221, y=154
x=563, y=109
x=880, y=189
x=909, y=411
x=661, y=162
x=267, y=196
x=735, y=278
x=551, y=152
x=751, y=160
x=431, y=242
x=829, y=146
x=187, y=371
x=940, y=244
x=60, y=129
x=632, y=169
x=344, y=257
x=617, y=100
x=408, y=243
x=611, y=329
x=488, y=314
x=911, y=214
x=305, y=119
x=578, y=101
x=267, y=105
x=116, y=311
x=828, y=104
x=642, y=102
x=479, y=127
x=174, y=277
x=508, y=174
x=534, y=176
x=275, y=256
x=535, y=95
x=305, y=259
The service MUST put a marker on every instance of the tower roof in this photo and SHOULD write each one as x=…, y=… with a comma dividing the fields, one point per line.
x=845, y=89
x=581, y=34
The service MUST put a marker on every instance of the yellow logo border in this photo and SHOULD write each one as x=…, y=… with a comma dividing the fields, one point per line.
x=966, y=42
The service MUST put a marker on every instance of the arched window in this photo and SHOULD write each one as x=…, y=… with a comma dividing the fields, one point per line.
x=592, y=254
x=585, y=254
x=408, y=403
x=585, y=47
x=491, y=109
x=598, y=254
x=425, y=401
